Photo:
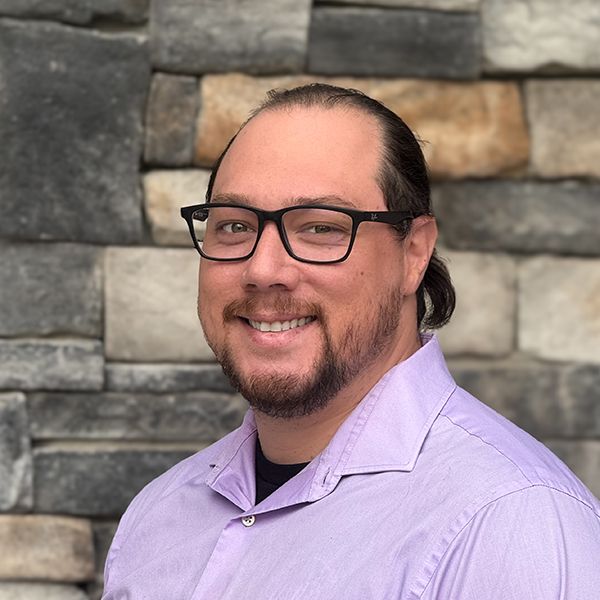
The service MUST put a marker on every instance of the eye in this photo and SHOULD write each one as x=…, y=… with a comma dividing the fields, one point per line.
x=235, y=228
x=321, y=229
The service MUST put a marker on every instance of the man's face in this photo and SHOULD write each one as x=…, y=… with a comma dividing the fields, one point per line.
x=338, y=320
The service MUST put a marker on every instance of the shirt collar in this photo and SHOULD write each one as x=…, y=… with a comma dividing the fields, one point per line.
x=387, y=429
x=384, y=433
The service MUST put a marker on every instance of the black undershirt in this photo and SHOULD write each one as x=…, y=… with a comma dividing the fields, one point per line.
x=270, y=475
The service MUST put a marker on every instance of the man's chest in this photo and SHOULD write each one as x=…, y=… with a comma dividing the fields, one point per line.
x=354, y=543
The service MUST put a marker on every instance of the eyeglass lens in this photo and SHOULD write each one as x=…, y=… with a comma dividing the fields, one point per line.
x=314, y=234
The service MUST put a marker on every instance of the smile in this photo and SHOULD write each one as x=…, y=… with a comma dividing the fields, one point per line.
x=280, y=326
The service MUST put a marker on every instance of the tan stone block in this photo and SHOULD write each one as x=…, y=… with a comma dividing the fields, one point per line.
x=484, y=321
x=564, y=117
x=165, y=192
x=40, y=591
x=559, y=309
x=470, y=129
x=150, y=305
x=42, y=547
x=226, y=102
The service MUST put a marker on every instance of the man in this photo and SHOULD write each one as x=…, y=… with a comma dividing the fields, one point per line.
x=362, y=471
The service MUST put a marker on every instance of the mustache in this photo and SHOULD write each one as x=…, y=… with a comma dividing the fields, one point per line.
x=277, y=304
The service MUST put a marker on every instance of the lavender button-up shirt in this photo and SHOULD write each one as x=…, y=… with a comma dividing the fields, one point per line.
x=424, y=492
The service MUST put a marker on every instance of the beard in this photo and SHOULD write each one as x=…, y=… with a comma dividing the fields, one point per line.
x=289, y=396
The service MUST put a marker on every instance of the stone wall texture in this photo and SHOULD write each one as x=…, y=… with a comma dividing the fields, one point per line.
x=112, y=113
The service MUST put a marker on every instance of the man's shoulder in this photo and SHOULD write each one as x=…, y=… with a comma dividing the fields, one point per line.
x=482, y=441
x=494, y=491
x=193, y=468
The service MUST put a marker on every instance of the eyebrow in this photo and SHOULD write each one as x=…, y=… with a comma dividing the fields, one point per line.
x=329, y=200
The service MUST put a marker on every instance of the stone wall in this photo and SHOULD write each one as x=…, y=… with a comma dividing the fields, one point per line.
x=111, y=114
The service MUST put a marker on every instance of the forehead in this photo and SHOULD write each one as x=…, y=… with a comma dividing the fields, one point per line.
x=292, y=153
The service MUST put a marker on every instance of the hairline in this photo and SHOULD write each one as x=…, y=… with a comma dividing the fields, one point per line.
x=341, y=103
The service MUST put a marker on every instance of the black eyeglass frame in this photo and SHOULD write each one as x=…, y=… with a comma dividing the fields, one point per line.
x=388, y=217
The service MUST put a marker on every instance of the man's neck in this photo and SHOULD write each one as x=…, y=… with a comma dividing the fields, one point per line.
x=290, y=441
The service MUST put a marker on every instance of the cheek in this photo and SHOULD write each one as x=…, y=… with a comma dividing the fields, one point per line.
x=209, y=292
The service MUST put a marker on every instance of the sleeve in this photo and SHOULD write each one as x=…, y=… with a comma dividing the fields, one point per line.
x=536, y=544
x=125, y=524
x=137, y=509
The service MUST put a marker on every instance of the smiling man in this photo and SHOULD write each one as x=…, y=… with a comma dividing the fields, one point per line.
x=361, y=471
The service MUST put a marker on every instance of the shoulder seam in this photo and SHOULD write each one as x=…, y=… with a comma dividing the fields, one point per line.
x=491, y=446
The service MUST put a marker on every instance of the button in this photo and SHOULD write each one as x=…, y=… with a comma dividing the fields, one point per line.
x=248, y=521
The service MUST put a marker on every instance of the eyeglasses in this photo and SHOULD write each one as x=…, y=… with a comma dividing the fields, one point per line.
x=310, y=234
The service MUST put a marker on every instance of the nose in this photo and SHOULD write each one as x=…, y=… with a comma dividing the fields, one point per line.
x=270, y=268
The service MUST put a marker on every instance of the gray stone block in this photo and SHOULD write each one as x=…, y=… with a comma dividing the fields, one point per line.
x=193, y=416
x=95, y=589
x=393, y=42
x=582, y=385
x=50, y=289
x=559, y=309
x=79, y=12
x=170, y=120
x=41, y=547
x=104, y=532
x=70, y=132
x=457, y=5
x=96, y=482
x=40, y=591
x=565, y=126
x=548, y=401
x=561, y=217
x=165, y=378
x=582, y=457
x=527, y=395
x=554, y=35
x=16, y=476
x=255, y=36
x=51, y=365
x=483, y=323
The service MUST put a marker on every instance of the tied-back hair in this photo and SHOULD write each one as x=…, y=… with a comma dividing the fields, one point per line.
x=403, y=179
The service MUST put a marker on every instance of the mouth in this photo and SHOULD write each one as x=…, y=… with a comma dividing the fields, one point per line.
x=276, y=326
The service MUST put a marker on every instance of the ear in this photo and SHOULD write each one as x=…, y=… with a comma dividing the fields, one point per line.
x=418, y=248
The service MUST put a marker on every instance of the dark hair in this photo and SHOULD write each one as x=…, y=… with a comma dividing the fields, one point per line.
x=403, y=180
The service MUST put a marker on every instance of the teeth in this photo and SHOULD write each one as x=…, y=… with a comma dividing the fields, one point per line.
x=278, y=325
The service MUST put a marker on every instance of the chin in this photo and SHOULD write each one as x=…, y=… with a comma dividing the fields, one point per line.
x=282, y=394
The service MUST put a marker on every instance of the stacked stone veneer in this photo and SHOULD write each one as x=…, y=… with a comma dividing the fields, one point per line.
x=111, y=114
